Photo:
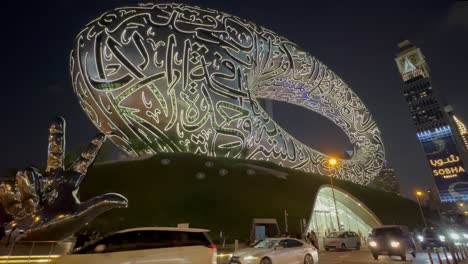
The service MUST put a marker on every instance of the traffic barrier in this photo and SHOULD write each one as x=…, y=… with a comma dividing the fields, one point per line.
x=454, y=256
x=459, y=255
x=464, y=251
x=438, y=256
x=462, y=257
x=429, y=254
x=446, y=256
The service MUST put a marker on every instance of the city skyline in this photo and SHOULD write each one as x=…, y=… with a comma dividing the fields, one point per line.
x=51, y=94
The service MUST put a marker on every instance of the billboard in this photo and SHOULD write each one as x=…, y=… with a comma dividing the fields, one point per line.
x=446, y=164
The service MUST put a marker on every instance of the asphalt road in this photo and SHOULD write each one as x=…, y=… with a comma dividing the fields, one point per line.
x=364, y=256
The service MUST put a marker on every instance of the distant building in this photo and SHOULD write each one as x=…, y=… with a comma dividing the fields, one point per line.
x=443, y=136
x=387, y=181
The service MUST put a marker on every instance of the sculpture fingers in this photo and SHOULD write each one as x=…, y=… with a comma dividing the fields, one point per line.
x=27, y=184
x=87, y=157
x=56, y=147
x=108, y=200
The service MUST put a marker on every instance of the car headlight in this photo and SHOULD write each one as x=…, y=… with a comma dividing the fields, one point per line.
x=455, y=236
x=420, y=238
x=442, y=238
x=250, y=258
x=395, y=244
x=373, y=244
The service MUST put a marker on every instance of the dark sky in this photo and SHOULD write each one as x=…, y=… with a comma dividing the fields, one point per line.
x=358, y=42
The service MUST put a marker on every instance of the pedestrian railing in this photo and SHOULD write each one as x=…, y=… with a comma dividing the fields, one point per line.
x=33, y=251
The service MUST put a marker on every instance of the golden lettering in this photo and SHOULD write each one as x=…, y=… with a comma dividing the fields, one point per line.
x=441, y=162
x=448, y=172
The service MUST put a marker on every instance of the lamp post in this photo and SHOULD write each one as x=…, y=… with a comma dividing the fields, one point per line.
x=419, y=194
x=333, y=162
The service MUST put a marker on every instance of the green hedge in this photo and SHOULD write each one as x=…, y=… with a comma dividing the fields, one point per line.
x=189, y=190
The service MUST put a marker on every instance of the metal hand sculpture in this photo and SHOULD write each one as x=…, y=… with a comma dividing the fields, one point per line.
x=45, y=206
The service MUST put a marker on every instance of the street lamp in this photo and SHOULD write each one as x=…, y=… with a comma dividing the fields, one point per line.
x=419, y=194
x=333, y=162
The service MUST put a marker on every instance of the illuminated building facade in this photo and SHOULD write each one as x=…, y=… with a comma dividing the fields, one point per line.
x=174, y=78
x=442, y=135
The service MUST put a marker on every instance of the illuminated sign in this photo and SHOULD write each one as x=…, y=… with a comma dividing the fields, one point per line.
x=440, y=167
x=446, y=165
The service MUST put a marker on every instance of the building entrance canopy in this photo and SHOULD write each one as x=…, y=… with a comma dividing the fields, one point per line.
x=353, y=215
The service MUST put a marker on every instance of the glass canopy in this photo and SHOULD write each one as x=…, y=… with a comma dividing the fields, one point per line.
x=353, y=215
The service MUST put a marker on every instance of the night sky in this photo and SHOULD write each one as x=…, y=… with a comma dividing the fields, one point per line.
x=358, y=42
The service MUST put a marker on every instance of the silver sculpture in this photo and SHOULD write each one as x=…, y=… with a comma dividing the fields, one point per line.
x=45, y=206
x=176, y=78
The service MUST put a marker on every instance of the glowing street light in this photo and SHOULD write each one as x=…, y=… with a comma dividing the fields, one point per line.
x=420, y=194
x=333, y=162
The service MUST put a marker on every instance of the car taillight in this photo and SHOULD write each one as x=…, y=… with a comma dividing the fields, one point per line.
x=212, y=246
x=215, y=253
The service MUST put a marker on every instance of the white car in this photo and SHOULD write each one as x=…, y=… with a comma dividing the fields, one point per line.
x=277, y=251
x=342, y=240
x=147, y=245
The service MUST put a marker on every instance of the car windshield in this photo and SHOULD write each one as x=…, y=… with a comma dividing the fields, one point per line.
x=388, y=231
x=266, y=244
x=432, y=232
x=335, y=234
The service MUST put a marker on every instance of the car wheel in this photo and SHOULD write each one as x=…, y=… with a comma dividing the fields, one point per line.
x=327, y=249
x=343, y=246
x=265, y=261
x=376, y=257
x=308, y=259
x=358, y=246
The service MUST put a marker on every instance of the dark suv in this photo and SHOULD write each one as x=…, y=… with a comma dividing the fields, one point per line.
x=432, y=237
x=393, y=240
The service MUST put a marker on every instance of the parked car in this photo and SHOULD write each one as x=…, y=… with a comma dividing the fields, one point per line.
x=277, y=251
x=342, y=240
x=147, y=245
x=393, y=240
x=433, y=237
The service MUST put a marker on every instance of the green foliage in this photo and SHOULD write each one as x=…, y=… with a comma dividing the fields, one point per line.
x=164, y=195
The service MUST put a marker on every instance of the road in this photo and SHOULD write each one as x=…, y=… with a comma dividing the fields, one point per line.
x=364, y=256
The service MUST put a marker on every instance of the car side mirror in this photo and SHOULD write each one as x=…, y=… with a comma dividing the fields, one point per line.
x=100, y=248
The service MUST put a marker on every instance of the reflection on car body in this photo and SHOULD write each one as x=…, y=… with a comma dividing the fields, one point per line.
x=277, y=250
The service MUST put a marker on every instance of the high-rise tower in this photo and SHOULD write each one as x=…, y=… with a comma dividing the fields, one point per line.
x=443, y=136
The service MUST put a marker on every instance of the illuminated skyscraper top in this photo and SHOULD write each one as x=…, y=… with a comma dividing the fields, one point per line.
x=411, y=62
x=425, y=104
